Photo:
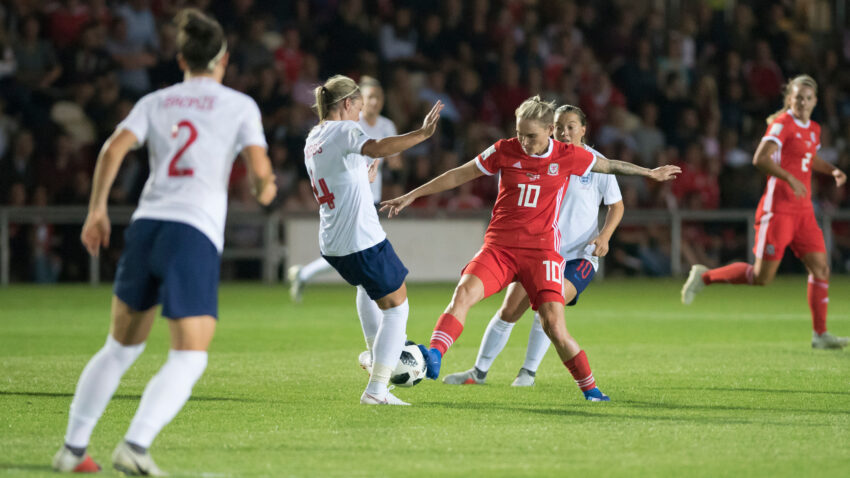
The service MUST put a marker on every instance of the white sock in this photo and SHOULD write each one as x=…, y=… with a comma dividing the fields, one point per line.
x=387, y=350
x=314, y=268
x=166, y=394
x=538, y=344
x=370, y=316
x=97, y=383
x=494, y=340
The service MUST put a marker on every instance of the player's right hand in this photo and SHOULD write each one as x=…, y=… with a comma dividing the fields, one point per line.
x=797, y=186
x=665, y=173
x=96, y=231
x=429, y=125
x=394, y=206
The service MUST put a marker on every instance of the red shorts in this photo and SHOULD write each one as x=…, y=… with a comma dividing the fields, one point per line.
x=539, y=272
x=776, y=231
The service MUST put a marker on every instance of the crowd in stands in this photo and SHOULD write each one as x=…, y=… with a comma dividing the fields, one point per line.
x=689, y=86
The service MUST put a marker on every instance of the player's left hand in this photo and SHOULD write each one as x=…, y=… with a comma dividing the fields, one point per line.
x=96, y=231
x=395, y=206
x=840, y=177
x=665, y=173
x=373, y=170
x=601, y=244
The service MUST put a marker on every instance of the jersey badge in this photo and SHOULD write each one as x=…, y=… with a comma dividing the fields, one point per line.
x=584, y=180
x=517, y=165
x=798, y=135
x=770, y=249
x=775, y=129
x=553, y=169
x=532, y=177
x=487, y=152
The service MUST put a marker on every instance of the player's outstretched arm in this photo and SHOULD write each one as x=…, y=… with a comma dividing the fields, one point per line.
x=622, y=168
x=260, y=173
x=382, y=148
x=612, y=220
x=763, y=160
x=97, y=227
x=448, y=180
x=824, y=167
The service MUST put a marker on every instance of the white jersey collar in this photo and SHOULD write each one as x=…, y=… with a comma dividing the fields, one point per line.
x=799, y=123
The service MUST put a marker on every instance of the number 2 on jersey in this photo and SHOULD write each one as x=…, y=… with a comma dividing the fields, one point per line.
x=806, y=160
x=327, y=196
x=173, y=170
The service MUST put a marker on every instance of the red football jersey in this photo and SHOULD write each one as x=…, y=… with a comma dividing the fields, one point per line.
x=798, y=144
x=530, y=191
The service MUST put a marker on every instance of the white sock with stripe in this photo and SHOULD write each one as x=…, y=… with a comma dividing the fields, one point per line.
x=538, y=344
x=495, y=337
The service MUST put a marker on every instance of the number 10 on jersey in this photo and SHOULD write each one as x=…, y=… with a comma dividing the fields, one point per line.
x=528, y=194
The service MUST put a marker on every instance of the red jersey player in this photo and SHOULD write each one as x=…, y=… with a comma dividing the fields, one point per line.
x=785, y=216
x=521, y=242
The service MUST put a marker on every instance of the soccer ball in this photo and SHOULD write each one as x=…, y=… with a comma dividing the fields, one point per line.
x=411, y=366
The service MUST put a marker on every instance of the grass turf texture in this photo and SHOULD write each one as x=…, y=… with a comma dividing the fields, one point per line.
x=726, y=387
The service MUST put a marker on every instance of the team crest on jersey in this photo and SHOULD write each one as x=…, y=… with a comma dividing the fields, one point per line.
x=584, y=180
x=770, y=249
x=532, y=177
x=553, y=169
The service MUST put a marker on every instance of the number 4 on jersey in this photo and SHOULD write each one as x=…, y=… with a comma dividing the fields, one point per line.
x=327, y=196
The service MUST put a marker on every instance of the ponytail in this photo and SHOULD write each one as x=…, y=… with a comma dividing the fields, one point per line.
x=799, y=80
x=328, y=95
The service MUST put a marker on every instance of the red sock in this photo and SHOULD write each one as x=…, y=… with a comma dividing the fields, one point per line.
x=580, y=368
x=818, y=300
x=446, y=331
x=735, y=273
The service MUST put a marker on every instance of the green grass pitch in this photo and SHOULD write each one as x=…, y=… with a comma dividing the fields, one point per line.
x=726, y=387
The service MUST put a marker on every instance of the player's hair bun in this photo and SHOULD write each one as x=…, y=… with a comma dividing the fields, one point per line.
x=200, y=39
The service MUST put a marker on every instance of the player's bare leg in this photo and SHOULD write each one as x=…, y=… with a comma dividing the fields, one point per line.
x=127, y=334
x=495, y=337
x=817, y=264
x=762, y=272
x=469, y=291
x=387, y=348
x=166, y=393
x=552, y=319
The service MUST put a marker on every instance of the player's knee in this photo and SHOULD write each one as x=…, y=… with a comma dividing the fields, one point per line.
x=510, y=313
x=464, y=297
x=820, y=272
x=762, y=280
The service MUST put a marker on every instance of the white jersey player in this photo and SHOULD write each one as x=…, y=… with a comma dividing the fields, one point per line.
x=582, y=243
x=337, y=155
x=377, y=127
x=172, y=254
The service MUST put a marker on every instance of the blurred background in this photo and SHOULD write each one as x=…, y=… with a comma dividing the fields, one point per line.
x=685, y=82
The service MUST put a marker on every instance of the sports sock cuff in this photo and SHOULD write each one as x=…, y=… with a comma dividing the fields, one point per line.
x=381, y=373
x=504, y=326
x=447, y=330
x=123, y=352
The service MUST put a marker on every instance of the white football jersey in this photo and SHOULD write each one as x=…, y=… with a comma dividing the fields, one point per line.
x=194, y=130
x=383, y=127
x=579, y=219
x=348, y=220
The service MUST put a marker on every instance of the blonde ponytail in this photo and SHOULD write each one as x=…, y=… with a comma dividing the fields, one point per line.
x=328, y=95
x=799, y=80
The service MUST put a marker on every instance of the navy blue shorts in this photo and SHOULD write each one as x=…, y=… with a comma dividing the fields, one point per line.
x=579, y=272
x=378, y=269
x=171, y=263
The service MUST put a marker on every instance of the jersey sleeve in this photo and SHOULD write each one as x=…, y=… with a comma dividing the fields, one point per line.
x=137, y=121
x=354, y=138
x=611, y=190
x=777, y=132
x=251, y=130
x=488, y=160
x=582, y=162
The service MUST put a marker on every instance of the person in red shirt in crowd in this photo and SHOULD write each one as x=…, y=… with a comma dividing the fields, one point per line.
x=788, y=154
x=521, y=243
